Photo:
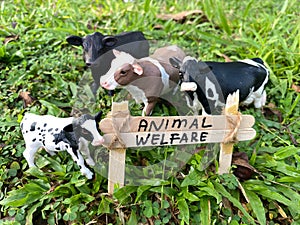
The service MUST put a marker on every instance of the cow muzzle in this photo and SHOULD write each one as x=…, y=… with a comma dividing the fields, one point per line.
x=188, y=86
x=98, y=142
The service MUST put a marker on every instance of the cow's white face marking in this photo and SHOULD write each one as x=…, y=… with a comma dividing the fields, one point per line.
x=91, y=127
x=211, y=92
x=108, y=80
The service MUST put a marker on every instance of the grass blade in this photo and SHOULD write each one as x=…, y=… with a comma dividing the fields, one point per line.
x=257, y=206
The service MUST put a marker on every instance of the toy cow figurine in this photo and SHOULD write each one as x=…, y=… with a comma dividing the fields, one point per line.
x=97, y=48
x=58, y=134
x=147, y=78
x=209, y=83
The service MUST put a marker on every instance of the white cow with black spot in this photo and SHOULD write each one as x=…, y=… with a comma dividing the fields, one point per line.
x=59, y=134
x=209, y=83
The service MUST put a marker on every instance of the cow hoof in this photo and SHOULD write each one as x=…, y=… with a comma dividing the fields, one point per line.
x=90, y=162
x=88, y=174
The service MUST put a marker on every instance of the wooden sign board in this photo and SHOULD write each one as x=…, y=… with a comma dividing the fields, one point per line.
x=174, y=130
x=122, y=131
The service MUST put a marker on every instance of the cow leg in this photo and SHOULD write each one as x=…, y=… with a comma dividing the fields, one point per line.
x=83, y=148
x=94, y=87
x=29, y=155
x=260, y=101
x=196, y=105
x=77, y=157
x=147, y=111
x=51, y=153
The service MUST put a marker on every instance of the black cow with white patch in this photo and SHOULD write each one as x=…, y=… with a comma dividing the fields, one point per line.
x=209, y=83
x=97, y=48
x=58, y=134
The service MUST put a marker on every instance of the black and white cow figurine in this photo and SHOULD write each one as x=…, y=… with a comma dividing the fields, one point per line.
x=97, y=48
x=209, y=83
x=58, y=134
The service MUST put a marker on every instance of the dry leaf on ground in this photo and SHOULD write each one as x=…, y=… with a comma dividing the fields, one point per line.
x=183, y=16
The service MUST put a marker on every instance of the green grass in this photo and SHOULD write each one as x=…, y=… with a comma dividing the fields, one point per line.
x=35, y=57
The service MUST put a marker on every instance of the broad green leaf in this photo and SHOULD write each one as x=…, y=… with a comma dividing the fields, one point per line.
x=194, y=178
x=209, y=191
x=257, y=206
x=133, y=220
x=188, y=195
x=15, y=198
x=288, y=179
x=52, y=109
x=184, y=210
x=76, y=199
x=34, y=171
x=104, y=206
x=37, y=186
x=205, y=213
x=285, y=152
x=271, y=193
x=165, y=204
x=141, y=190
x=166, y=191
x=123, y=193
x=31, y=211
x=234, y=201
x=148, y=211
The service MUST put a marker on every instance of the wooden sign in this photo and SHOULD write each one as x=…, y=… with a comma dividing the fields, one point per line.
x=122, y=131
x=174, y=130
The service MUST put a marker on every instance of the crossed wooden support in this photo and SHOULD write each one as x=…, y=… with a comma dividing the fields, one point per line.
x=123, y=131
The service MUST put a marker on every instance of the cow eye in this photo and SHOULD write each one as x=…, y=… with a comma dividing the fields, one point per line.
x=123, y=72
x=84, y=131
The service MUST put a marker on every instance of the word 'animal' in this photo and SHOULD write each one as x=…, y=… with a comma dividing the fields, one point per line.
x=97, y=50
x=209, y=83
x=146, y=79
x=59, y=134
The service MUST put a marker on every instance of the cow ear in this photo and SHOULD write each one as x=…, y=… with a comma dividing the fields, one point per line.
x=175, y=62
x=98, y=116
x=109, y=41
x=75, y=40
x=68, y=128
x=137, y=69
x=116, y=52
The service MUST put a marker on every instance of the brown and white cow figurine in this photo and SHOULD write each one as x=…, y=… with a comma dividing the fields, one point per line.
x=147, y=78
x=59, y=134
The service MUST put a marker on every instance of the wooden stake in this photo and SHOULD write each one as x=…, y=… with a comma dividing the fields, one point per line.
x=116, y=169
x=231, y=108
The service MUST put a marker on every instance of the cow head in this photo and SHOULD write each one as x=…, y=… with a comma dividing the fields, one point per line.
x=85, y=126
x=93, y=45
x=189, y=68
x=121, y=66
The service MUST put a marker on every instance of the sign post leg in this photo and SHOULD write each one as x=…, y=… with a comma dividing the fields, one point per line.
x=116, y=169
x=231, y=108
